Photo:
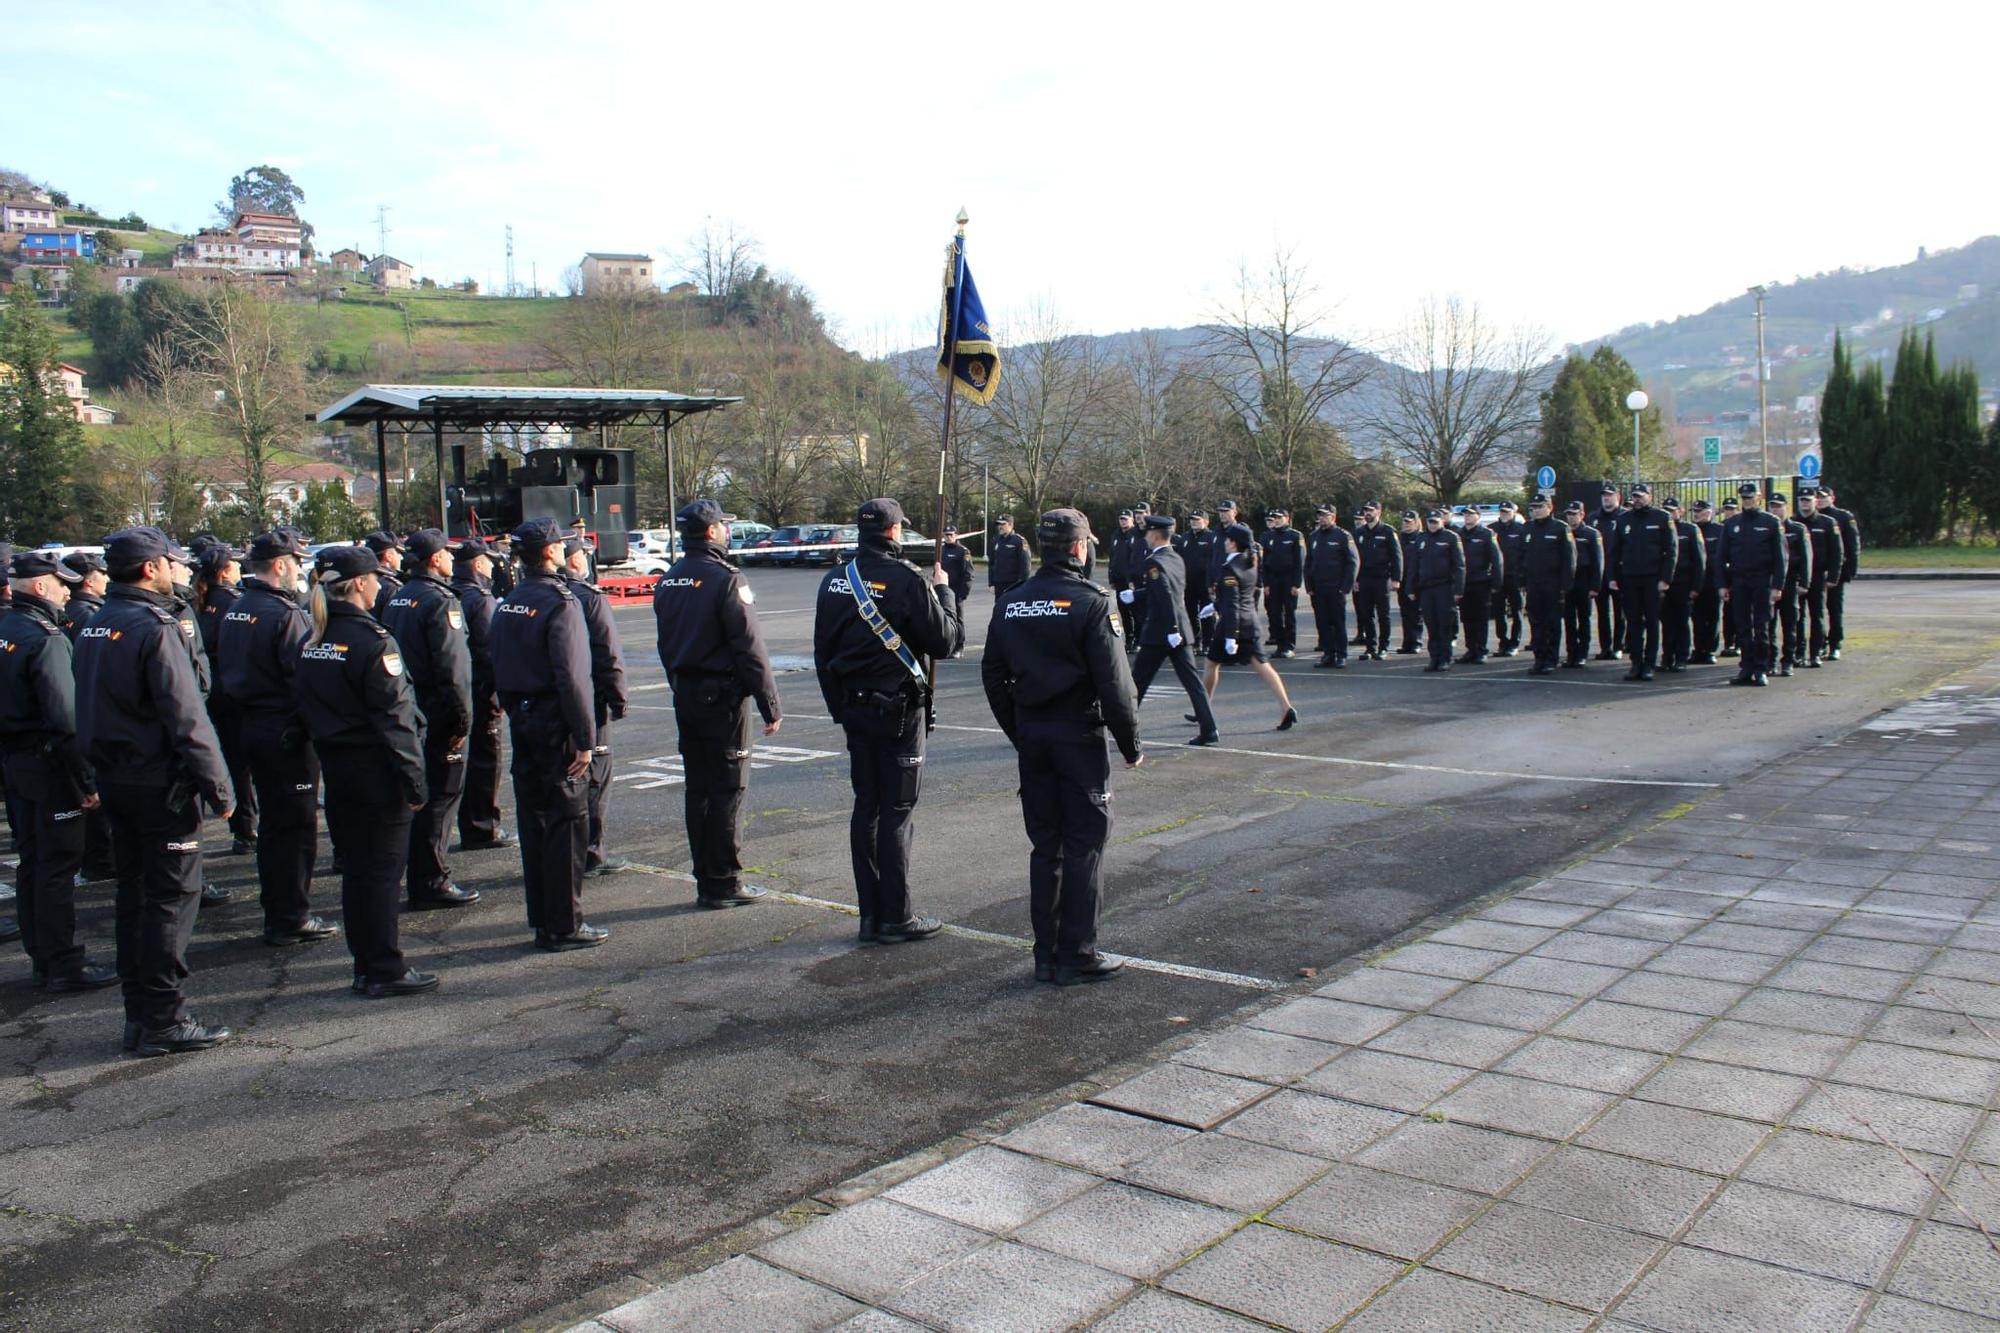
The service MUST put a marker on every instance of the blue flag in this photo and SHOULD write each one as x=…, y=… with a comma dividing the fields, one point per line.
x=971, y=360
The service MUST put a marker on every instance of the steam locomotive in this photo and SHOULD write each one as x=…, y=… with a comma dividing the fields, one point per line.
x=599, y=486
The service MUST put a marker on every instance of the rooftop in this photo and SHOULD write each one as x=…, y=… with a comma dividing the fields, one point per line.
x=465, y=405
x=637, y=259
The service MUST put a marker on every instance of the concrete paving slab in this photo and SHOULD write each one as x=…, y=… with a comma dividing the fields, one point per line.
x=1009, y=1288
x=1394, y=1082
x=1634, y=1026
x=1136, y=1232
x=1228, y=1172
x=1304, y=1122
x=1293, y=1281
x=1851, y=1172
x=1616, y=1191
x=1675, y=1136
x=1835, y=1240
x=1523, y=1105
x=1581, y=1064
x=1696, y=1291
x=1269, y=1057
x=1549, y=1255
x=1093, y=1138
x=740, y=1296
x=992, y=1189
x=1463, y=1156
x=1375, y=1210
x=870, y=1249
x=1952, y=1267
x=1475, y=1045
x=1183, y=1095
x=1428, y=1300
x=1151, y=1311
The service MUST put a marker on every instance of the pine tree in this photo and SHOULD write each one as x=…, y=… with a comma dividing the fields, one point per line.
x=1959, y=445
x=40, y=440
x=1573, y=435
x=1914, y=468
x=1838, y=447
x=1867, y=419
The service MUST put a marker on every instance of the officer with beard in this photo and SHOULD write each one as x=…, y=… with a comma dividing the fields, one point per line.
x=1439, y=573
x=1546, y=558
x=1752, y=552
x=1640, y=566
x=1330, y=569
x=1379, y=568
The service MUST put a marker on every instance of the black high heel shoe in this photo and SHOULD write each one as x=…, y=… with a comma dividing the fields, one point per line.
x=1291, y=716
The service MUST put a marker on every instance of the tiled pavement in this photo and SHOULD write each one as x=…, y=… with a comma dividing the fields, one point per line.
x=1737, y=1072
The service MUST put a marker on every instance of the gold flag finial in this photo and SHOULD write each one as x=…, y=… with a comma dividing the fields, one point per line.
x=962, y=220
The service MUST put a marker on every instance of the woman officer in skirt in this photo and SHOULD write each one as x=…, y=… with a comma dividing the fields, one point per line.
x=1238, y=637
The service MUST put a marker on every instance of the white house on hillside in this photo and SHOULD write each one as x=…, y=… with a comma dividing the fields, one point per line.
x=608, y=273
x=389, y=271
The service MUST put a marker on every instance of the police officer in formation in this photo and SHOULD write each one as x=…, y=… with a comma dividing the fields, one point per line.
x=1056, y=678
x=1510, y=532
x=1378, y=572
x=1639, y=567
x=1545, y=556
x=217, y=586
x=388, y=549
x=147, y=737
x=957, y=561
x=1197, y=550
x=257, y=651
x=1610, y=608
x=1280, y=571
x=1752, y=553
x=1850, y=562
x=356, y=699
x=541, y=669
x=1677, y=602
x=713, y=653
x=1166, y=633
x=47, y=779
x=1331, y=565
x=876, y=620
x=428, y=625
x=472, y=565
x=1485, y=568
x=1408, y=611
x=1007, y=561
x=607, y=690
x=84, y=602
x=1798, y=573
x=1438, y=570
x=1584, y=587
x=1707, y=608
x=1123, y=556
x=1827, y=563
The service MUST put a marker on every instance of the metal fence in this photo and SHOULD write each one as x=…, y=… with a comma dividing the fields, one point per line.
x=1687, y=490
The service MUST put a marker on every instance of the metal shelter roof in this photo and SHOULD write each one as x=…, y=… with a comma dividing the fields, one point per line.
x=464, y=405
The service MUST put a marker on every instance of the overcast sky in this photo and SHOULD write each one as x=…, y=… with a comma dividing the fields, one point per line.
x=1575, y=167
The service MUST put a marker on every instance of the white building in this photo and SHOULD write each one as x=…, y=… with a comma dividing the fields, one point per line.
x=604, y=273
x=388, y=271
x=21, y=214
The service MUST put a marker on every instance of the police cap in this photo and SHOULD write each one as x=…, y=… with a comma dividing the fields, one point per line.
x=425, y=543
x=1059, y=527
x=1411, y=513
x=538, y=534
x=1641, y=488
x=1573, y=507
x=702, y=513
x=951, y=529
x=571, y=545
x=1671, y=503
x=467, y=549
x=1279, y=512
x=1539, y=502
x=1609, y=489
x=85, y=562
x=1326, y=511
x=377, y=541
x=1164, y=522
x=34, y=564
x=350, y=562
x=1778, y=500
x=1225, y=504
x=279, y=542
x=135, y=546
x=1008, y=519
x=1124, y=513
x=1141, y=507
x=1240, y=534
x=214, y=556
x=1506, y=506
x=1434, y=513
x=878, y=515
x=1747, y=488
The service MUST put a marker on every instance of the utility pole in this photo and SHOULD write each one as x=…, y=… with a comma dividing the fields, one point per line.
x=381, y=229
x=510, y=262
x=1763, y=410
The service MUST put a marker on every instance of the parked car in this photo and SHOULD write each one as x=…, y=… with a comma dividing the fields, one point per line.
x=744, y=534
x=770, y=550
x=916, y=546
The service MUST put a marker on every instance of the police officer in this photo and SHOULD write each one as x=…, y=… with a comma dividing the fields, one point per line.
x=257, y=652
x=1007, y=560
x=957, y=565
x=715, y=661
x=1408, y=612
x=1827, y=562
x=1166, y=633
x=472, y=562
x=1510, y=532
x=1707, y=610
x=1546, y=559
x=147, y=736
x=358, y=704
x=1485, y=570
x=428, y=625
x=1280, y=571
x=1378, y=572
x=1677, y=606
x=1330, y=569
x=541, y=668
x=1439, y=573
x=389, y=551
x=52, y=786
x=1850, y=563
x=607, y=691
x=876, y=619
x=1238, y=637
x=1583, y=588
x=1752, y=553
x=1218, y=556
x=1639, y=567
x=1610, y=609
x=85, y=600
x=218, y=574
x=1730, y=509
x=1056, y=681
x=1798, y=574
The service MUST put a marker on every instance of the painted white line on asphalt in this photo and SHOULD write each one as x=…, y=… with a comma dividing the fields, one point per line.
x=1430, y=768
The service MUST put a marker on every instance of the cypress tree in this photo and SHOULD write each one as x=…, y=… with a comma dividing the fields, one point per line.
x=1914, y=463
x=1836, y=405
x=1867, y=425
x=40, y=440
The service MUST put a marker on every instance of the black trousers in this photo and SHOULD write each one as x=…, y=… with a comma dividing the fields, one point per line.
x=1127, y=611
x=1440, y=609
x=228, y=721
x=1476, y=611
x=1640, y=597
x=885, y=751
x=1577, y=604
x=285, y=773
x=1707, y=612
x=1836, y=609
x=714, y=722
x=1411, y=612
x=430, y=828
x=1281, y=612
x=157, y=848
x=1507, y=614
x=1792, y=649
x=1545, y=603
x=1147, y=665
x=1066, y=805
x=1677, y=626
x=554, y=817
x=1330, y=623
x=1750, y=612
x=600, y=796
x=479, y=804
x=1371, y=610
x=1813, y=605
x=97, y=863
x=1610, y=620
x=367, y=817
x=48, y=845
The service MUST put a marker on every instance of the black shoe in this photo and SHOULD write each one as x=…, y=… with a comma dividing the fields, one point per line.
x=243, y=847
x=1575, y=665
x=1324, y=661
x=1402, y=652
x=214, y=895
x=744, y=895
x=1633, y=674
x=1191, y=718
x=94, y=875
x=1785, y=669
x=130, y=1041
x=1702, y=659
x=1811, y=664
x=448, y=896
x=1607, y=657
x=1206, y=738
x=411, y=982
x=186, y=1035
x=585, y=936
x=1096, y=968
x=501, y=839
x=1433, y=666
x=1465, y=659
x=1833, y=654
x=1540, y=670
x=1760, y=680
x=610, y=865
x=1731, y=652
x=310, y=931
x=1286, y=722
x=1647, y=674
x=1284, y=652
x=900, y=932
x=84, y=976
x=1508, y=652
x=1045, y=972
x=867, y=932
x=1743, y=678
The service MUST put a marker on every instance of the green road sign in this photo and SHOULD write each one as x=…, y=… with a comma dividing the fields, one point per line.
x=1711, y=449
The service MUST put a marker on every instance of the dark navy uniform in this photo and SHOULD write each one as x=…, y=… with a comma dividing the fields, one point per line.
x=541, y=668
x=1379, y=554
x=1708, y=599
x=215, y=601
x=882, y=705
x=715, y=661
x=147, y=736
x=1408, y=610
x=1056, y=679
x=1836, y=589
x=1330, y=571
x=83, y=604
x=1439, y=574
x=1485, y=568
x=1197, y=549
x=1641, y=558
x=479, y=804
x=1510, y=533
x=608, y=697
x=1125, y=555
x=1166, y=634
x=357, y=704
x=1280, y=573
x=1610, y=610
x=1751, y=552
x=1827, y=562
x=1236, y=612
x=1677, y=607
x=1791, y=599
x=1007, y=561
x=957, y=562
x=1544, y=560
x=257, y=650
x=1584, y=588
x=429, y=626
x=391, y=581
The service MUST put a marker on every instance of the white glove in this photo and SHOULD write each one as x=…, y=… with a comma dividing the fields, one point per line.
x=1207, y=612
x=1125, y=596
x=1173, y=639
x=1229, y=647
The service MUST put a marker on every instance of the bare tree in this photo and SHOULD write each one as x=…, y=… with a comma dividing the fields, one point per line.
x=1050, y=411
x=889, y=441
x=1458, y=396
x=1143, y=453
x=247, y=349
x=153, y=465
x=618, y=339
x=719, y=258
x=784, y=434
x=1278, y=373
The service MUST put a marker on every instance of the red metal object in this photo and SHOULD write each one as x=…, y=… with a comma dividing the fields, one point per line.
x=627, y=587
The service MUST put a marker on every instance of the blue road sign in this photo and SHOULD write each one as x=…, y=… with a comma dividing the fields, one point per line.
x=1546, y=478
x=1809, y=465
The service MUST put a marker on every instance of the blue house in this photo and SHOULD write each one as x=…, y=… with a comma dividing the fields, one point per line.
x=43, y=244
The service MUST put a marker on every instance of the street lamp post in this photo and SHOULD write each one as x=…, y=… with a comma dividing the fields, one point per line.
x=1635, y=403
x=1763, y=412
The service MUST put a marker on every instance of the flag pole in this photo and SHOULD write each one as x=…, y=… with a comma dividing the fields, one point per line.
x=950, y=394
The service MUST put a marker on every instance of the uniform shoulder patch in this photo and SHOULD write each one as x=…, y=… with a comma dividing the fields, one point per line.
x=562, y=590
x=392, y=663
x=746, y=594
x=455, y=616
x=163, y=615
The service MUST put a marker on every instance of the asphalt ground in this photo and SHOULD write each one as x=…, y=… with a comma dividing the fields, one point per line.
x=544, y=1124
